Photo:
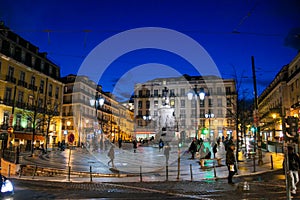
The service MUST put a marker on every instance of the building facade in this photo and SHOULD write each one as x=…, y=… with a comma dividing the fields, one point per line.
x=279, y=100
x=90, y=122
x=30, y=93
x=215, y=113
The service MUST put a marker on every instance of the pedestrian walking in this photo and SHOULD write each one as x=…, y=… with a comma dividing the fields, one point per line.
x=111, y=155
x=294, y=163
x=134, y=145
x=120, y=142
x=215, y=149
x=230, y=162
x=160, y=144
x=167, y=153
x=193, y=148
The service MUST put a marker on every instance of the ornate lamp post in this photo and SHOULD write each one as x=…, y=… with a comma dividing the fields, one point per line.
x=209, y=115
x=195, y=94
x=98, y=101
x=147, y=119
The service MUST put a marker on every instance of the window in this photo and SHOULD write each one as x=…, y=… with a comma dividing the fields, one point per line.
x=202, y=103
x=140, y=113
x=148, y=93
x=140, y=93
x=210, y=91
x=228, y=90
x=5, y=118
x=147, y=104
x=8, y=94
x=228, y=102
x=182, y=92
x=172, y=92
x=42, y=65
x=182, y=113
x=33, y=61
x=193, y=104
x=50, y=70
x=42, y=86
x=219, y=102
x=220, y=112
x=182, y=103
x=56, y=92
x=202, y=112
x=210, y=102
x=22, y=76
x=18, y=121
x=156, y=93
x=219, y=90
x=11, y=71
x=50, y=90
x=140, y=104
x=20, y=96
x=32, y=81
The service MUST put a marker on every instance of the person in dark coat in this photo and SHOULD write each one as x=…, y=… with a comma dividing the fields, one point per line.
x=215, y=150
x=230, y=162
x=294, y=164
x=193, y=148
x=134, y=145
x=160, y=144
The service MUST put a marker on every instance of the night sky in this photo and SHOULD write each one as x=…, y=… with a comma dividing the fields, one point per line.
x=230, y=32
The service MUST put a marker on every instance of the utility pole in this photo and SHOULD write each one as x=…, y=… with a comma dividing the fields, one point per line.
x=256, y=116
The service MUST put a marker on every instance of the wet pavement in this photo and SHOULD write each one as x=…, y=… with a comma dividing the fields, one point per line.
x=251, y=182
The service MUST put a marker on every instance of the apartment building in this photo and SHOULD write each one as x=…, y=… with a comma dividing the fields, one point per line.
x=92, y=121
x=216, y=112
x=30, y=93
x=279, y=100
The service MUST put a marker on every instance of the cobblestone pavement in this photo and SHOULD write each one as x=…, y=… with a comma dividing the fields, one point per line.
x=270, y=185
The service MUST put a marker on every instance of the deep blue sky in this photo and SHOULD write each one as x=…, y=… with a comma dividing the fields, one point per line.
x=230, y=31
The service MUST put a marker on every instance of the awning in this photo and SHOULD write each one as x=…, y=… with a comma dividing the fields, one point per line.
x=28, y=136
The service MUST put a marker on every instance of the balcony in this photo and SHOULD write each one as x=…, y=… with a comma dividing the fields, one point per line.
x=22, y=83
x=32, y=87
x=10, y=79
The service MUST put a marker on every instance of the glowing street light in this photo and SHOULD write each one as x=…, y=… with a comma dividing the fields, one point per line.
x=194, y=94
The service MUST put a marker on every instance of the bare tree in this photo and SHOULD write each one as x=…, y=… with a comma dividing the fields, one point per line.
x=33, y=112
x=50, y=112
x=39, y=115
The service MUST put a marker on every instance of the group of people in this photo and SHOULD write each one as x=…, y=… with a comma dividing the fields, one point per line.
x=197, y=145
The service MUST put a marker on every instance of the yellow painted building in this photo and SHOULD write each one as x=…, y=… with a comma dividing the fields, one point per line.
x=30, y=93
x=89, y=123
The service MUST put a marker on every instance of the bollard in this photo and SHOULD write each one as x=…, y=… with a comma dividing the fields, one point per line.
x=254, y=163
x=141, y=176
x=272, y=167
x=21, y=169
x=8, y=171
x=91, y=176
x=34, y=171
x=69, y=172
x=167, y=173
x=191, y=170
x=178, y=165
x=215, y=173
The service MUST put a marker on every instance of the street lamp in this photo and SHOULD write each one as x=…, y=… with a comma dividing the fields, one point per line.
x=98, y=101
x=194, y=93
x=209, y=115
x=147, y=119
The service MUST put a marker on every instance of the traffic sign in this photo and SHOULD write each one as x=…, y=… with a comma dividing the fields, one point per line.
x=71, y=138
